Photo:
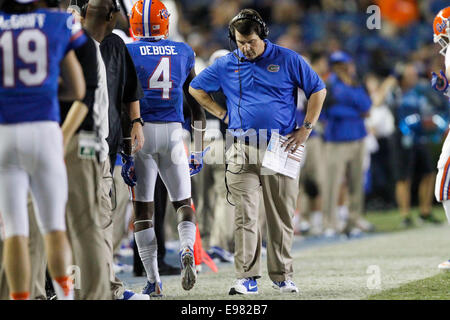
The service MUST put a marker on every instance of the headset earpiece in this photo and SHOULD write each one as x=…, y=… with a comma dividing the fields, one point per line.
x=83, y=10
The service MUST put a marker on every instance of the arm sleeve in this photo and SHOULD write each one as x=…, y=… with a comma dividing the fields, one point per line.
x=87, y=56
x=132, y=89
x=191, y=61
x=208, y=80
x=77, y=35
x=361, y=100
x=305, y=77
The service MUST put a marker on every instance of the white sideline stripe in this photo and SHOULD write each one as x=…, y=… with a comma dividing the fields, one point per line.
x=145, y=17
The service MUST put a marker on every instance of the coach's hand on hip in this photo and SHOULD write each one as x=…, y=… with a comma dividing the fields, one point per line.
x=296, y=139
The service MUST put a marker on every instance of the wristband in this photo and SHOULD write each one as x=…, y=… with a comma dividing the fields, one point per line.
x=196, y=129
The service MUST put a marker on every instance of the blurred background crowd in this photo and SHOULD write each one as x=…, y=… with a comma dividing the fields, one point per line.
x=407, y=121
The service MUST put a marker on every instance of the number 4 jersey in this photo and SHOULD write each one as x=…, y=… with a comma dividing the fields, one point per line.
x=32, y=46
x=162, y=67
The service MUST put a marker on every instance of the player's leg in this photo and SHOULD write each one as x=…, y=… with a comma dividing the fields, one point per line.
x=14, y=184
x=16, y=251
x=146, y=168
x=186, y=232
x=428, y=180
x=13, y=209
x=404, y=165
x=442, y=187
x=174, y=171
x=49, y=189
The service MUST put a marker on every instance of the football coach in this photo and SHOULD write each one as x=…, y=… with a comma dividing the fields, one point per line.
x=260, y=81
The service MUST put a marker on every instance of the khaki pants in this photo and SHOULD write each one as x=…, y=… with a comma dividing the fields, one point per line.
x=116, y=286
x=313, y=170
x=343, y=160
x=38, y=260
x=86, y=226
x=123, y=205
x=246, y=182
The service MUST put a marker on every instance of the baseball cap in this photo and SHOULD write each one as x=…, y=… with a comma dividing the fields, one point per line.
x=340, y=57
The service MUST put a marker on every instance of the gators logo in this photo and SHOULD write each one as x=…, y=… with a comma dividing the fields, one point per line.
x=164, y=13
x=273, y=68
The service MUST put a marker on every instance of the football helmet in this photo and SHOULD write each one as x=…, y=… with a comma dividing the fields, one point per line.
x=441, y=28
x=149, y=19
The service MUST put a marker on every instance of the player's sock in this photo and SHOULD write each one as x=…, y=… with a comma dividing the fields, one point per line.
x=63, y=288
x=186, y=232
x=148, y=251
x=20, y=296
x=317, y=220
x=446, y=205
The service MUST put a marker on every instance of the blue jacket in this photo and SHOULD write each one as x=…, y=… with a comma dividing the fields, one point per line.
x=344, y=111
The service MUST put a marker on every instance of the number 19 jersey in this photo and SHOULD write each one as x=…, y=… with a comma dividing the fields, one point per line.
x=32, y=46
x=162, y=67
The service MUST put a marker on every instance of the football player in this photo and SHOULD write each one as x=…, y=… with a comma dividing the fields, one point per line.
x=165, y=69
x=441, y=27
x=34, y=43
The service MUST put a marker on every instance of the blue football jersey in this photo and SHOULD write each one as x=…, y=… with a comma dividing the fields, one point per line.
x=32, y=46
x=162, y=67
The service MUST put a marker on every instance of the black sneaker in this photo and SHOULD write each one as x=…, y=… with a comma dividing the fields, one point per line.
x=407, y=223
x=168, y=270
x=430, y=218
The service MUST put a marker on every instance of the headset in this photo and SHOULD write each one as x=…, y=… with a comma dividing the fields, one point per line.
x=263, y=32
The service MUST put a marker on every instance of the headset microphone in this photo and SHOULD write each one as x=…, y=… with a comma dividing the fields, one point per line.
x=241, y=59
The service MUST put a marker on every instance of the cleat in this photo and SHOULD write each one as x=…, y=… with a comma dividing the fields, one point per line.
x=153, y=289
x=444, y=266
x=188, y=271
x=244, y=286
x=130, y=295
x=286, y=286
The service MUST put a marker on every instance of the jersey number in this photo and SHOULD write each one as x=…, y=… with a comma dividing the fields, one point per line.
x=160, y=78
x=31, y=48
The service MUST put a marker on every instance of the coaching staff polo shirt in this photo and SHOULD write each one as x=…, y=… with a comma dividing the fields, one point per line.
x=345, y=109
x=269, y=84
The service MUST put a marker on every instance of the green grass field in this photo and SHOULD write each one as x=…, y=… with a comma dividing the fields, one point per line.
x=405, y=261
x=390, y=220
x=432, y=288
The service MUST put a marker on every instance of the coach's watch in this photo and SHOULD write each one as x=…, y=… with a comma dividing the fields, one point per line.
x=140, y=120
x=308, y=125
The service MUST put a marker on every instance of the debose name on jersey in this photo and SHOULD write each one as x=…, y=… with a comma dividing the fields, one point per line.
x=157, y=50
x=162, y=67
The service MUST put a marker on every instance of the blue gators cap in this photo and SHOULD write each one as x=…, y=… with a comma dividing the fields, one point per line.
x=340, y=57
